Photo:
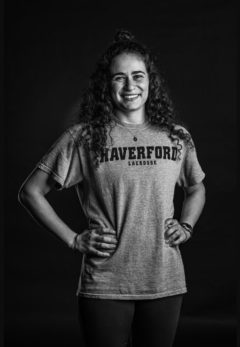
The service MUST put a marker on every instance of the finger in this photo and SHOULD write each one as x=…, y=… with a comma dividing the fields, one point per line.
x=101, y=245
x=187, y=235
x=99, y=253
x=170, y=222
x=108, y=231
x=104, y=230
x=95, y=233
x=169, y=232
x=174, y=237
x=106, y=239
x=183, y=237
x=178, y=241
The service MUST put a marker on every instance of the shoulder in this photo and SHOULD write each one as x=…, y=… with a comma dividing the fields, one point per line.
x=182, y=129
x=183, y=139
x=184, y=135
x=75, y=131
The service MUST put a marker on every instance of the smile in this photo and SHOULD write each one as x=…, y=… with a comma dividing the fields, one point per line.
x=131, y=97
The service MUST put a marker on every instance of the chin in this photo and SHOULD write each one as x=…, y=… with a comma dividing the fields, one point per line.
x=132, y=106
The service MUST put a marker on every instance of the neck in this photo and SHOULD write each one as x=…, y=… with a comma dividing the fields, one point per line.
x=134, y=117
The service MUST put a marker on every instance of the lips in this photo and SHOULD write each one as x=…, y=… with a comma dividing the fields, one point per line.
x=130, y=97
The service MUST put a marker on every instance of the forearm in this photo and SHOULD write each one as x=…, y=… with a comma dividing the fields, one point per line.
x=192, y=206
x=39, y=208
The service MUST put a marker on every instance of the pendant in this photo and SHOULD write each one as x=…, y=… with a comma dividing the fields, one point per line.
x=135, y=138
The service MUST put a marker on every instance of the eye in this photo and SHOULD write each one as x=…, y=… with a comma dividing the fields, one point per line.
x=138, y=77
x=118, y=78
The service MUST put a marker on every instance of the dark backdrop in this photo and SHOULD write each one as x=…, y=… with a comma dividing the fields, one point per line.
x=51, y=50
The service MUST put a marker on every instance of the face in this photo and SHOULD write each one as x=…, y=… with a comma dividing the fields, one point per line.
x=129, y=82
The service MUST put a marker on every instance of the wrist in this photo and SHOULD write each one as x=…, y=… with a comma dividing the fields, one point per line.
x=187, y=228
x=187, y=235
x=73, y=243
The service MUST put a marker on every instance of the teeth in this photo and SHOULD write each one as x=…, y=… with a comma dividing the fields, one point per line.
x=131, y=97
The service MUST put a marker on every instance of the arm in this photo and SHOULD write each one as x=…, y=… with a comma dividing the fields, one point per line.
x=191, y=210
x=193, y=204
x=32, y=197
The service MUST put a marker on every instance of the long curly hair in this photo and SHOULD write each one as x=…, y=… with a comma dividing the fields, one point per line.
x=96, y=106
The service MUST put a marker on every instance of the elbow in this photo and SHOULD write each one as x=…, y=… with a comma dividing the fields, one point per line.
x=198, y=191
x=203, y=193
x=34, y=187
x=25, y=195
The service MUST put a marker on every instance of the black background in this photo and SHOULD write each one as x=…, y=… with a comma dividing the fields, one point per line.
x=51, y=49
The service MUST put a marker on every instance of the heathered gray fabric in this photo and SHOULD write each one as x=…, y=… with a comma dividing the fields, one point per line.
x=132, y=193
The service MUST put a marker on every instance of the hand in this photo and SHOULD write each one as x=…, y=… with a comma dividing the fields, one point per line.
x=175, y=233
x=99, y=241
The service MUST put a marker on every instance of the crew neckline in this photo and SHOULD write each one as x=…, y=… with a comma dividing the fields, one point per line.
x=130, y=125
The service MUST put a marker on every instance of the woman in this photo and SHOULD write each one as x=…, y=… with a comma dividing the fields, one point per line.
x=124, y=158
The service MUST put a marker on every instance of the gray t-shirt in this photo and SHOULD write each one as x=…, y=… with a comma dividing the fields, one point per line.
x=132, y=193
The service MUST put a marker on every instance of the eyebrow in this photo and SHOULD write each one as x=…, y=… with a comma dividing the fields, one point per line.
x=123, y=74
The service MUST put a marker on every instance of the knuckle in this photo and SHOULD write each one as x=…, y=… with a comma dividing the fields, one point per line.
x=87, y=235
x=94, y=232
x=91, y=242
x=88, y=251
x=97, y=252
x=97, y=245
x=90, y=235
x=106, y=230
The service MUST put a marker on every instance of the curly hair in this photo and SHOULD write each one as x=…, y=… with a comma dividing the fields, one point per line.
x=96, y=105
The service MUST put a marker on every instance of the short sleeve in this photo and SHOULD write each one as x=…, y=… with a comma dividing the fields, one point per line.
x=191, y=171
x=62, y=161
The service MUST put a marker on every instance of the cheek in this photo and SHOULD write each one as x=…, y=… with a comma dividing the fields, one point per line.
x=115, y=89
x=146, y=89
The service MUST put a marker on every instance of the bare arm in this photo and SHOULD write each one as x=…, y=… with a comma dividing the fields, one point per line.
x=32, y=197
x=32, y=194
x=193, y=204
x=191, y=210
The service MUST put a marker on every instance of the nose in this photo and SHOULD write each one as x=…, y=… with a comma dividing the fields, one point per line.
x=129, y=84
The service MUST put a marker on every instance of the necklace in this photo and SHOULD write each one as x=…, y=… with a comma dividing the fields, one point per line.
x=134, y=136
x=135, y=127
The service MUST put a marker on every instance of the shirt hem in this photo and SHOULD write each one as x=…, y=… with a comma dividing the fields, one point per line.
x=54, y=175
x=130, y=296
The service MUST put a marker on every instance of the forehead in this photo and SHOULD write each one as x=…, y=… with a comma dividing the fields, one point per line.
x=126, y=62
